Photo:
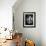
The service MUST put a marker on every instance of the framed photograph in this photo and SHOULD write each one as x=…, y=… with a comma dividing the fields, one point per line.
x=29, y=19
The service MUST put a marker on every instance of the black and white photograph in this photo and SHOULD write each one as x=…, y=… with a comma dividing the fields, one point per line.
x=29, y=19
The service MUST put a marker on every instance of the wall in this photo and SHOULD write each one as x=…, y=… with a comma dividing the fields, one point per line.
x=43, y=22
x=28, y=6
x=6, y=13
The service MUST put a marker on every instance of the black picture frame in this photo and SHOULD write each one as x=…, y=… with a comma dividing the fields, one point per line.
x=29, y=19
